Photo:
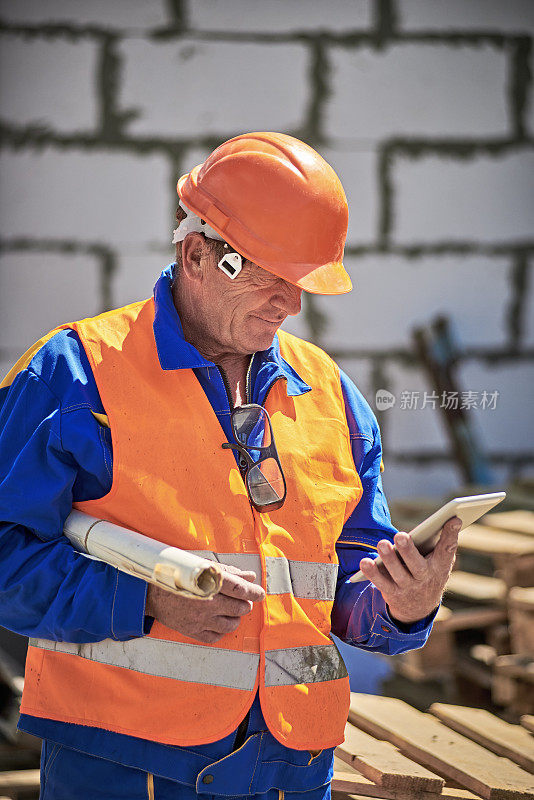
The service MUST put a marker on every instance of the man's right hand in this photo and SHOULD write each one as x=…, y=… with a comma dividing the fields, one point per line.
x=206, y=620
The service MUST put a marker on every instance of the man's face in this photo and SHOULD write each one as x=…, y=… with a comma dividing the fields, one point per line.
x=242, y=315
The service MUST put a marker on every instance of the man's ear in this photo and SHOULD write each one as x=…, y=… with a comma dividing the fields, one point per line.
x=192, y=252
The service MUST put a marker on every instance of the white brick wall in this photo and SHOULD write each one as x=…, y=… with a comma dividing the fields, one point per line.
x=136, y=275
x=529, y=309
x=510, y=427
x=113, y=198
x=513, y=16
x=39, y=291
x=530, y=104
x=417, y=90
x=412, y=430
x=392, y=294
x=432, y=480
x=484, y=199
x=111, y=187
x=50, y=83
x=358, y=171
x=280, y=16
x=359, y=370
x=214, y=87
x=127, y=14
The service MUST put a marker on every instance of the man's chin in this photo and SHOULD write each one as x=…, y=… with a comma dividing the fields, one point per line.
x=261, y=341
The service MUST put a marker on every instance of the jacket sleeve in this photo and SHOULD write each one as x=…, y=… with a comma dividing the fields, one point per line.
x=51, y=453
x=360, y=616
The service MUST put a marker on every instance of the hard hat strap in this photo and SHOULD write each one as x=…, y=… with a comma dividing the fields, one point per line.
x=231, y=263
x=193, y=224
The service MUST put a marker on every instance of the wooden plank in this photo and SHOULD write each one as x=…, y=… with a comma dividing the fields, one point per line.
x=527, y=721
x=477, y=617
x=423, y=738
x=502, y=738
x=516, y=570
x=521, y=611
x=382, y=763
x=522, y=598
x=518, y=521
x=475, y=588
x=521, y=667
x=19, y=780
x=489, y=541
x=347, y=783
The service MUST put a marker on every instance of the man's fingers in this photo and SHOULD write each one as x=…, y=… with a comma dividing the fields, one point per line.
x=373, y=574
x=446, y=547
x=241, y=588
x=231, y=606
x=392, y=563
x=411, y=556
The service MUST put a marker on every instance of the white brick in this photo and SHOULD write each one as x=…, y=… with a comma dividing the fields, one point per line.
x=510, y=427
x=50, y=83
x=528, y=337
x=39, y=291
x=529, y=113
x=103, y=197
x=412, y=430
x=358, y=171
x=359, y=370
x=484, y=199
x=514, y=16
x=297, y=326
x=393, y=294
x=199, y=88
x=417, y=90
x=280, y=16
x=130, y=14
x=404, y=481
x=136, y=275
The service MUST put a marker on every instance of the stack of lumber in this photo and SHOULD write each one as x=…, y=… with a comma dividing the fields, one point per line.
x=394, y=752
x=481, y=648
x=391, y=750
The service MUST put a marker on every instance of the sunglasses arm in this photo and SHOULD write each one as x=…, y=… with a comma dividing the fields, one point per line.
x=241, y=450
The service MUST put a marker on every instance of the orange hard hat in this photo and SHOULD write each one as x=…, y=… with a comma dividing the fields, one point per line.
x=279, y=204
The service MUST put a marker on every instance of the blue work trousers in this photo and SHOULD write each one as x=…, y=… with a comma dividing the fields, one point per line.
x=68, y=774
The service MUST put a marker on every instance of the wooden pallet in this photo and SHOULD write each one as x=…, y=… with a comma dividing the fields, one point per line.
x=397, y=752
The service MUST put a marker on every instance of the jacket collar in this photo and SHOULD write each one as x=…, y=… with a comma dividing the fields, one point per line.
x=175, y=353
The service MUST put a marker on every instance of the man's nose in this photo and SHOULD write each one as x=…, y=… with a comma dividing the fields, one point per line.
x=288, y=297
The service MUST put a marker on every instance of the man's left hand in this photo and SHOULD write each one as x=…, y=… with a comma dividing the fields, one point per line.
x=412, y=585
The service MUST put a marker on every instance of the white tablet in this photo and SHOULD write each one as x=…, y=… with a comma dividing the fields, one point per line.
x=426, y=534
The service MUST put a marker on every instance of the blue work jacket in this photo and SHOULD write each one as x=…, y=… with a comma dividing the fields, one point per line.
x=55, y=451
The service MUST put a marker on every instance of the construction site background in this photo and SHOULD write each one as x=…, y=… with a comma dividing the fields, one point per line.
x=425, y=109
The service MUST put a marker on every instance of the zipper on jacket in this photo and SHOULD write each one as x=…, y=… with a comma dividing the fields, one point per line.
x=247, y=380
x=241, y=461
x=226, y=387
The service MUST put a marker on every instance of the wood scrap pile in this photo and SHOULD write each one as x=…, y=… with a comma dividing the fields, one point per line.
x=391, y=750
x=481, y=650
x=19, y=752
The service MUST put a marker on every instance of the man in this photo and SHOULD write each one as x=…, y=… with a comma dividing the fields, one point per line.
x=149, y=416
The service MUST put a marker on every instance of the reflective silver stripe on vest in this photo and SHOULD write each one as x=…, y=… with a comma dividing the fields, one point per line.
x=243, y=561
x=166, y=659
x=304, y=579
x=303, y=665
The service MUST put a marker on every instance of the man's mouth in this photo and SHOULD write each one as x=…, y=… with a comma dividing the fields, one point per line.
x=269, y=320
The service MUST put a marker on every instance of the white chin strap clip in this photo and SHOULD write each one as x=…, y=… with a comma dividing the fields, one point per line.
x=231, y=263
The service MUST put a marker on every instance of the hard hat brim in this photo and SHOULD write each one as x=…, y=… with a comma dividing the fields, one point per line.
x=330, y=278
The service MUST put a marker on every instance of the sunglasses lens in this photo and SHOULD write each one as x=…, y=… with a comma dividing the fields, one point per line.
x=265, y=483
x=252, y=427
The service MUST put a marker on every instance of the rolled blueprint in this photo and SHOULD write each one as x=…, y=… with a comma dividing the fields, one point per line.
x=175, y=570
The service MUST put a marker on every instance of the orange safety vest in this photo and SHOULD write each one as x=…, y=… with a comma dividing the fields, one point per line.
x=173, y=481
